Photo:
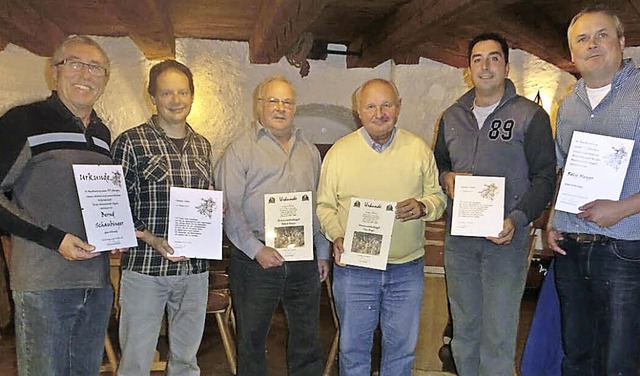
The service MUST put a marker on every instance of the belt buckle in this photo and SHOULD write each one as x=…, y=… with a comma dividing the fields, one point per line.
x=586, y=238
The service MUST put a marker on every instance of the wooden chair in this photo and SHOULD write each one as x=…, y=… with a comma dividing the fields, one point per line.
x=333, y=351
x=219, y=303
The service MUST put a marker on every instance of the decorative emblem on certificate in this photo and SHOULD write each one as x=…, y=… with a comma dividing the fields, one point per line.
x=288, y=224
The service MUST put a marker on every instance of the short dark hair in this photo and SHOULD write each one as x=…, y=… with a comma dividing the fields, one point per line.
x=166, y=65
x=490, y=36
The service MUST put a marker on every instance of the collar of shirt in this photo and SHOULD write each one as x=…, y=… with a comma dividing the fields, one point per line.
x=262, y=131
x=56, y=103
x=153, y=121
x=374, y=145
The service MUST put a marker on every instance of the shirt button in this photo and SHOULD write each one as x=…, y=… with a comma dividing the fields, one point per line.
x=592, y=116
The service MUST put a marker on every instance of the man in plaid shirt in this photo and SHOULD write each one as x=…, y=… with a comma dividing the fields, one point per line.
x=161, y=153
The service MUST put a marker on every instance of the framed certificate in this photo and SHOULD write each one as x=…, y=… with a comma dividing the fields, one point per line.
x=105, y=206
x=595, y=168
x=368, y=234
x=195, y=223
x=288, y=224
x=478, y=206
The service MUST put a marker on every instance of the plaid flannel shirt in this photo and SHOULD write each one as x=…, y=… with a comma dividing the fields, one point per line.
x=152, y=164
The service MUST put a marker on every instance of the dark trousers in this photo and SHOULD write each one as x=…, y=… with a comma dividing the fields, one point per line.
x=599, y=290
x=256, y=293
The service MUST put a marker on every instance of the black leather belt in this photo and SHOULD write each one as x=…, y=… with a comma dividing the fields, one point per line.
x=587, y=238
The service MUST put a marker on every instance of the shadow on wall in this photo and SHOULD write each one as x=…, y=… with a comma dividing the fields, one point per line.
x=325, y=123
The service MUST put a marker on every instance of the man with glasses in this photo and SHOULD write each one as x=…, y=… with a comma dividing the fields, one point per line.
x=492, y=131
x=162, y=153
x=62, y=291
x=272, y=156
x=380, y=162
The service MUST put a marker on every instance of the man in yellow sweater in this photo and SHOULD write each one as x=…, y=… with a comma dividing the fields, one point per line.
x=381, y=162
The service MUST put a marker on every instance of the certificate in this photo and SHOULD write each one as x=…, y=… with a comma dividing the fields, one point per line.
x=288, y=224
x=368, y=234
x=195, y=223
x=595, y=169
x=104, y=202
x=478, y=206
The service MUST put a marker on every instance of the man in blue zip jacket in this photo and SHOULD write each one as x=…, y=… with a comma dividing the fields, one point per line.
x=492, y=131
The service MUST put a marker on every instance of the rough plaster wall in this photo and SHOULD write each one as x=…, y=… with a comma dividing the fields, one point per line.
x=427, y=89
x=225, y=81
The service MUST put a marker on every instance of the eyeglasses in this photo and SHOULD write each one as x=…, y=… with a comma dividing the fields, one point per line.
x=76, y=66
x=383, y=107
x=274, y=102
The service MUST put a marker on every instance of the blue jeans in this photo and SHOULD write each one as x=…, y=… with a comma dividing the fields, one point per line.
x=485, y=283
x=143, y=299
x=256, y=293
x=599, y=290
x=365, y=298
x=61, y=332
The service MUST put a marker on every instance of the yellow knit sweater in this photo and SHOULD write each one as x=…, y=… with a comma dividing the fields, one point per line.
x=406, y=169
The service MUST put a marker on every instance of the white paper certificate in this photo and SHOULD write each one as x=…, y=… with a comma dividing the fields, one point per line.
x=288, y=224
x=595, y=169
x=478, y=206
x=368, y=234
x=105, y=206
x=195, y=223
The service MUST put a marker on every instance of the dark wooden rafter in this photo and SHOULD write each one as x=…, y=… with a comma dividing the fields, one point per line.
x=447, y=50
x=278, y=27
x=533, y=33
x=415, y=23
x=3, y=42
x=149, y=26
x=408, y=26
x=24, y=26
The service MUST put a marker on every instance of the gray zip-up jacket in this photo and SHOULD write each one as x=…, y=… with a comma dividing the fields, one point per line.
x=515, y=141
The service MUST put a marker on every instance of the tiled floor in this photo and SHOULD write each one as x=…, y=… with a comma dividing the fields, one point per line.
x=211, y=355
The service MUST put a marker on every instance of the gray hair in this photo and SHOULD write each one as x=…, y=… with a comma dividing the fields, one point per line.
x=262, y=87
x=378, y=80
x=58, y=54
x=600, y=8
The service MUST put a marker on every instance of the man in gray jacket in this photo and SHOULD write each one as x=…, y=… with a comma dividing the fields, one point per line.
x=492, y=131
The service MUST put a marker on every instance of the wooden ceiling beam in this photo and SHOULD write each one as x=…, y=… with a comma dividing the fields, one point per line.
x=636, y=5
x=149, y=27
x=532, y=32
x=278, y=27
x=24, y=26
x=414, y=23
x=3, y=42
x=441, y=53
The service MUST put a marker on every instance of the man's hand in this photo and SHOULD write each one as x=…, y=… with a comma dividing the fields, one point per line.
x=604, y=213
x=338, y=250
x=73, y=248
x=410, y=209
x=553, y=236
x=268, y=257
x=161, y=245
x=323, y=269
x=449, y=181
x=505, y=236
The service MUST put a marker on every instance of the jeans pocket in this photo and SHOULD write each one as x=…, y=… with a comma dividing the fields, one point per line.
x=627, y=250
